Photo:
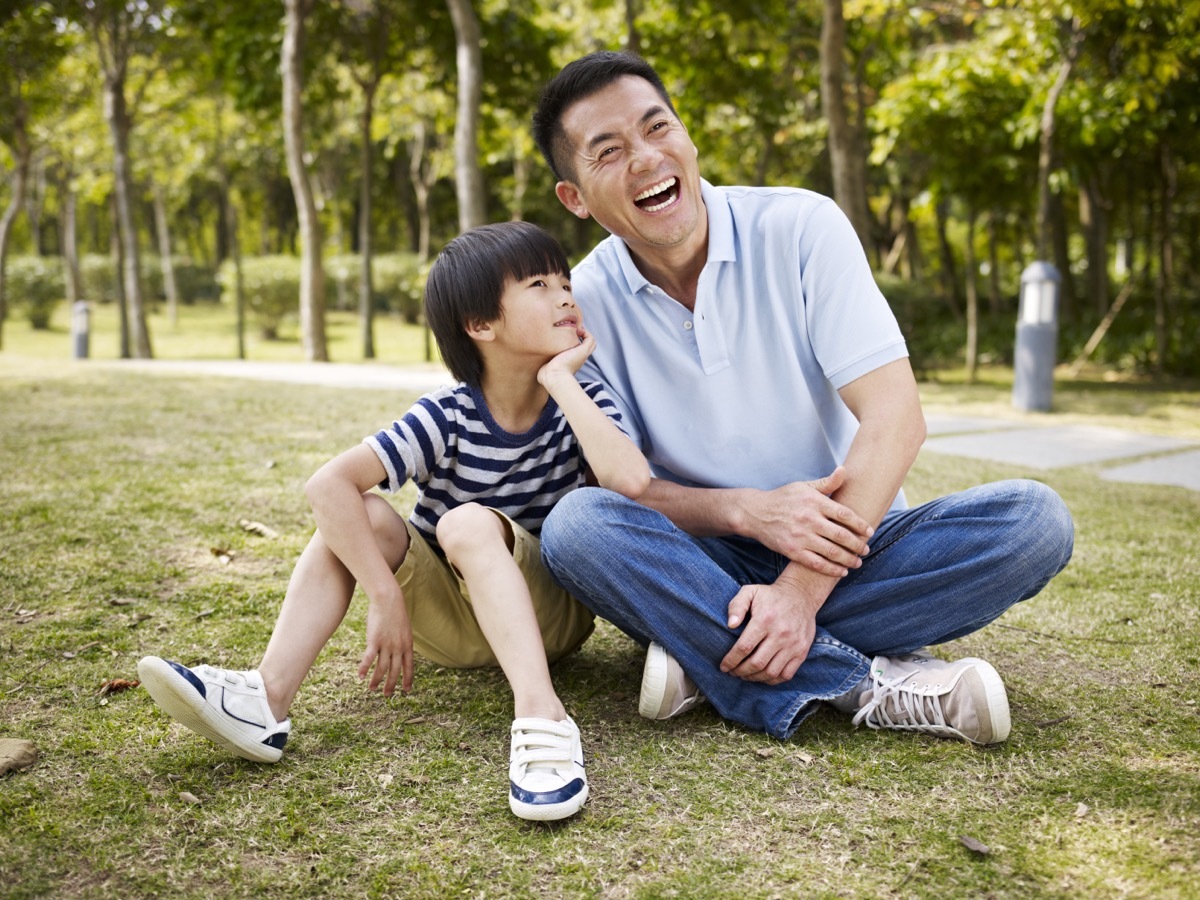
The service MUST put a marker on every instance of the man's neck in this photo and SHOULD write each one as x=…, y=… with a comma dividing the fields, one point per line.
x=676, y=270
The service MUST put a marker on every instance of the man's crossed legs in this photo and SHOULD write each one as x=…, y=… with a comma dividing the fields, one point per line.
x=935, y=572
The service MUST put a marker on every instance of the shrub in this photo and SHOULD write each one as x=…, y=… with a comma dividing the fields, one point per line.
x=272, y=289
x=399, y=283
x=34, y=286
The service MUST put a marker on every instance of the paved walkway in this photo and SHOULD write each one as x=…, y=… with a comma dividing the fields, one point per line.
x=1123, y=455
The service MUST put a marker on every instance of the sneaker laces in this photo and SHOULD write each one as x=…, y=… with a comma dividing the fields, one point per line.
x=541, y=745
x=910, y=706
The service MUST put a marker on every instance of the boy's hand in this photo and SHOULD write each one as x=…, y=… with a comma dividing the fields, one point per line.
x=389, y=646
x=568, y=362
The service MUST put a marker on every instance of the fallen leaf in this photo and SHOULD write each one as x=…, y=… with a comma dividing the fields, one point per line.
x=204, y=614
x=16, y=754
x=1081, y=810
x=764, y=752
x=121, y=601
x=418, y=779
x=115, y=686
x=189, y=797
x=975, y=845
x=386, y=780
x=416, y=720
x=258, y=528
x=804, y=758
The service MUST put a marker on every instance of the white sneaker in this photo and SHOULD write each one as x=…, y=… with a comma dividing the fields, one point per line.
x=666, y=689
x=546, y=777
x=917, y=692
x=224, y=706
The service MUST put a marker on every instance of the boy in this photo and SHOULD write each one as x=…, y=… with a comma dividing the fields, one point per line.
x=490, y=457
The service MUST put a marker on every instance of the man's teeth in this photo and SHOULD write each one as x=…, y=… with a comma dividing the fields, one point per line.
x=658, y=189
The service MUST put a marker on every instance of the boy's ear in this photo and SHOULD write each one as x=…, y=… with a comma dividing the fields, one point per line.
x=480, y=331
x=570, y=197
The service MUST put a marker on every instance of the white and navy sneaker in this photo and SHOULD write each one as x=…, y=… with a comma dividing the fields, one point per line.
x=545, y=770
x=224, y=706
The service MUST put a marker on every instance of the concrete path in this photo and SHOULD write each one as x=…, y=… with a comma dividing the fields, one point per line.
x=1147, y=458
x=1125, y=455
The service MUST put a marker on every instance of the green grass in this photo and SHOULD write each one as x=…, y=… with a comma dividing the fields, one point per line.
x=209, y=331
x=116, y=488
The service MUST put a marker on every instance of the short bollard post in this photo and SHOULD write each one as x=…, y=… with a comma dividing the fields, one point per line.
x=1037, y=338
x=80, y=328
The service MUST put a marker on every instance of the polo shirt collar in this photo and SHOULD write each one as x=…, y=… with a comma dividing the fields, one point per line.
x=721, y=245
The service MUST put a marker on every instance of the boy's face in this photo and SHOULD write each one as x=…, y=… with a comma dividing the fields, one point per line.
x=538, y=318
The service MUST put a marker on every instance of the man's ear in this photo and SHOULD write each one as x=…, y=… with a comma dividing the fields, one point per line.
x=481, y=331
x=570, y=197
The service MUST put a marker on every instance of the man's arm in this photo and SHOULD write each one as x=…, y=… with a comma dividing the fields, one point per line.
x=782, y=616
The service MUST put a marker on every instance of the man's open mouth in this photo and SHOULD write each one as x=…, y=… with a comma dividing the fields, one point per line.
x=658, y=196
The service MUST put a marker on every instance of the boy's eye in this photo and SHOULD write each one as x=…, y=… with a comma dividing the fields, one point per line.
x=538, y=282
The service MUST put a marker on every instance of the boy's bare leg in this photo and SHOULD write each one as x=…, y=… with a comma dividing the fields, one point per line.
x=476, y=542
x=317, y=598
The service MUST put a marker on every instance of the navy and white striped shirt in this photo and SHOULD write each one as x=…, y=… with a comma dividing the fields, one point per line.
x=449, y=445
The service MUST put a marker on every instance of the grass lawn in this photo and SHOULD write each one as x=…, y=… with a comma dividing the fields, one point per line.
x=120, y=501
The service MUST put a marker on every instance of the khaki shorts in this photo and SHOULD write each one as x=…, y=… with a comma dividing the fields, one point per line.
x=439, y=606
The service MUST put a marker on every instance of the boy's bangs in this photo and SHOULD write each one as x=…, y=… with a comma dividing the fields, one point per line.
x=537, y=253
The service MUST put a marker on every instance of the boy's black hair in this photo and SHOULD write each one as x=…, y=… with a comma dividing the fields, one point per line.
x=468, y=279
x=579, y=79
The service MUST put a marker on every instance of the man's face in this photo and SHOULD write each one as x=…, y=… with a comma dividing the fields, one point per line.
x=634, y=168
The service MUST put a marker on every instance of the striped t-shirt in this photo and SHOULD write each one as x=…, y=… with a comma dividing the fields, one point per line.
x=449, y=445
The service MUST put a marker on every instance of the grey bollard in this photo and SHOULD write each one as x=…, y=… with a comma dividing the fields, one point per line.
x=81, y=328
x=1037, y=338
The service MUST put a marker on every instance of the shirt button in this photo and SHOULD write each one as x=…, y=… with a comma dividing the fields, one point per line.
x=687, y=326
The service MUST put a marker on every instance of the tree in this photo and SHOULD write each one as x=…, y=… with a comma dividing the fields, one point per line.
x=30, y=49
x=472, y=195
x=845, y=145
x=312, y=273
x=121, y=31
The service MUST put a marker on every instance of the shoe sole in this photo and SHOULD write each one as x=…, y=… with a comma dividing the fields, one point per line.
x=997, y=700
x=178, y=698
x=548, y=812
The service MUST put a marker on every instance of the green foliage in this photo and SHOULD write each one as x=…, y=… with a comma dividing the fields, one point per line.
x=399, y=282
x=34, y=287
x=272, y=289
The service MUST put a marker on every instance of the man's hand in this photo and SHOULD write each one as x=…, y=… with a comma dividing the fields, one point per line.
x=389, y=646
x=780, y=631
x=802, y=522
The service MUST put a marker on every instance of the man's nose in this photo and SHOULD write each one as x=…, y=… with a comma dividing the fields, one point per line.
x=645, y=156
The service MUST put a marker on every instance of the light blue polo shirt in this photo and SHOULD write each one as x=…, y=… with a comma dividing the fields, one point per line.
x=742, y=392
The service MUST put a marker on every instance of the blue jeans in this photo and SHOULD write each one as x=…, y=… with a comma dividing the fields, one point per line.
x=935, y=572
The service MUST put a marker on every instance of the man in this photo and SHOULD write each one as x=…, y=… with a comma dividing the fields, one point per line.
x=773, y=563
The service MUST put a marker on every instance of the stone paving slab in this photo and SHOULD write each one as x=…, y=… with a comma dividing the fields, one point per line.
x=1180, y=469
x=937, y=424
x=1054, y=447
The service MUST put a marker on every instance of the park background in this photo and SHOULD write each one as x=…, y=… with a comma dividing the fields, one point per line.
x=269, y=181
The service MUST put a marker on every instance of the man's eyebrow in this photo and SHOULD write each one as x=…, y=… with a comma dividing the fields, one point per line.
x=649, y=114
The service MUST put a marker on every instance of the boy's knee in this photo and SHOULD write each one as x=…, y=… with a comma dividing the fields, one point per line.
x=468, y=527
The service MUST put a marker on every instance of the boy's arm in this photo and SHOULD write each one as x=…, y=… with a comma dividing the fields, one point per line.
x=336, y=494
x=614, y=460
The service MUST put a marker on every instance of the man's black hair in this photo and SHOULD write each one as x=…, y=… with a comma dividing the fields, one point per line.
x=578, y=80
x=467, y=281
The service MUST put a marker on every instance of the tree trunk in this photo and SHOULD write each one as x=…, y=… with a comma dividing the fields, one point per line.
x=633, y=41
x=117, y=251
x=312, y=273
x=163, y=230
x=119, y=128
x=366, y=287
x=1166, y=259
x=845, y=156
x=468, y=176
x=70, y=242
x=1046, y=152
x=949, y=268
x=972, y=352
x=21, y=172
